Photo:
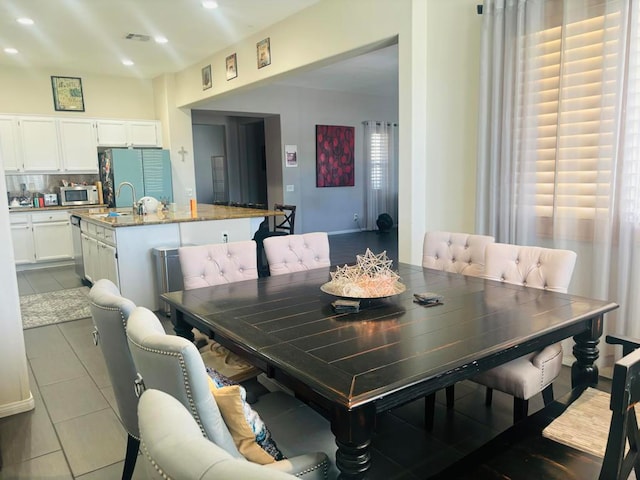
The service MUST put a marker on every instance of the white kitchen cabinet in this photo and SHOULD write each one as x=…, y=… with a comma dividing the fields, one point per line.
x=89, y=256
x=22, y=238
x=145, y=134
x=10, y=144
x=108, y=262
x=78, y=145
x=52, y=236
x=100, y=255
x=112, y=133
x=39, y=143
x=128, y=133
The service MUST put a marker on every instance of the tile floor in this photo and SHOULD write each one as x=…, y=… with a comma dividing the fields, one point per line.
x=74, y=432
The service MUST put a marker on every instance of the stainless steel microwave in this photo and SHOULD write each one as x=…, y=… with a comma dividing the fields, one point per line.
x=79, y=195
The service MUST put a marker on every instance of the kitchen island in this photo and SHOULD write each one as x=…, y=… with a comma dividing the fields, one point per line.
x=119, y=245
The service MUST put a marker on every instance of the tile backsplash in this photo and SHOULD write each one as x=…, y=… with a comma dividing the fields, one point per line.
x=43, y=183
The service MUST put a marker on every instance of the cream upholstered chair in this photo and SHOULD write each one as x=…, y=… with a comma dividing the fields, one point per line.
x=174, y=447
x=536, y=267
x=455, y=252
x=295, y=253
x=216, y=264
x=110, y=313
x=173, y=365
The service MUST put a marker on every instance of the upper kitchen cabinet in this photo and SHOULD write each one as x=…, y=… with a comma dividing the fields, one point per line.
x=39, y=143
x=129, y=133
x=10, y=144
x=79, y=145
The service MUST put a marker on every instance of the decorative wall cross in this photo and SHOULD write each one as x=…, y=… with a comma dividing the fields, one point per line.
x=182, y=152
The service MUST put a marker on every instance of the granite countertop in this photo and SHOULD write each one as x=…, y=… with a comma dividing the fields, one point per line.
x=124, y=217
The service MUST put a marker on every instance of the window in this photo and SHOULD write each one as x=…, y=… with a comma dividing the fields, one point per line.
x=570, y=93
x=379, y=160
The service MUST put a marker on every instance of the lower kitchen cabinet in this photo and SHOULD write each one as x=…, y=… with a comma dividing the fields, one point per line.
x=41, y=237
x=99, y=253
x=22, y=237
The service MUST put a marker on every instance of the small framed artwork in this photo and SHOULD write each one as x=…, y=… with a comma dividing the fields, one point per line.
x=232, y=67
x=291, y=155
x=206, y=77
x=263, y=48
x=67, y=94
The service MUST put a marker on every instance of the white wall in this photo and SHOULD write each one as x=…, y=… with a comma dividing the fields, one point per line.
x=15, y=395
x=28, y=91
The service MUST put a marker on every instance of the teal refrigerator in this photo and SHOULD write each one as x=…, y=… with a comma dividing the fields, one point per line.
x=147, y=169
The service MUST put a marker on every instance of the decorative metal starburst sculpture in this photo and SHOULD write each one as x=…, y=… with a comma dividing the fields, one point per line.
x=370, y=277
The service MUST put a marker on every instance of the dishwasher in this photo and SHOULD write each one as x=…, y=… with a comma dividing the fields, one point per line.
x=77, y=246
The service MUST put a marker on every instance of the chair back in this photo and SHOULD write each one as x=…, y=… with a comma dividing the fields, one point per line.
x=544, y=268
x=215, y=264
x=455, y=252
x=173, y=365
x=287, y=223
x=110, y=313
x=295, y=253
x=623, y=430
x=174, y=447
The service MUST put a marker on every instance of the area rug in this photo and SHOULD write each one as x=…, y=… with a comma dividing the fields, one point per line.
x=54, y=307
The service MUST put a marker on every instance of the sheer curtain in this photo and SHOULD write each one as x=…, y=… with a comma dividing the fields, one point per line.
x=559, y=140
x=380, y=155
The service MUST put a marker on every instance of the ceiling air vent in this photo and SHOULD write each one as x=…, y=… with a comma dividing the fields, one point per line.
x=138, y=37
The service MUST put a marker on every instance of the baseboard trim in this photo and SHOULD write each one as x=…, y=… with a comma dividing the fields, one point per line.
x=17, y=407
x=340, y=232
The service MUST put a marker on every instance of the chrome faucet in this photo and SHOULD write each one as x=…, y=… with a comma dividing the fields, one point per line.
x=133, y=193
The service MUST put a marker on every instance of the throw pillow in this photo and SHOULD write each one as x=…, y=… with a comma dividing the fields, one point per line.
x=251, y=436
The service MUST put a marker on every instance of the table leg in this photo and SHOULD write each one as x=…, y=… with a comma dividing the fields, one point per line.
x=584, y=371
x=181, y=327
x=353, y=430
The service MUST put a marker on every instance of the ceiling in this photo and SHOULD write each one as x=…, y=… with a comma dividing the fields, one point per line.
x=74, y=37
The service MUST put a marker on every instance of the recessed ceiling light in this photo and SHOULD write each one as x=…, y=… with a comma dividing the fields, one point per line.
x=127, y=62
x=10, y=51
x=160, y=39
x=210, y=4
x=25, y=21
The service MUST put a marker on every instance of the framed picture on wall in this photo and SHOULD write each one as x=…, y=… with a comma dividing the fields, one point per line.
x=232, y=66
x=291, y=155
x=335, y=156
x=206, y=77
x=263, y=48
x=67, y=94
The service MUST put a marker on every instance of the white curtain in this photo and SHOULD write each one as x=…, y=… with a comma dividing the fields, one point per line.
x=559, y=141
x=380, y=154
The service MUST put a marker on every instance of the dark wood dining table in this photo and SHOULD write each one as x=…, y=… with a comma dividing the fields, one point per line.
x=353, y=366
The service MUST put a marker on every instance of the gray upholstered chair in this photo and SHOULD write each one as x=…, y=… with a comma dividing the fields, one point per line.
x=174, y=447
x=216, y=264
x=172, y=364
x=295, y=253
x=455, y=252
x=110, y=312
x=535, y=267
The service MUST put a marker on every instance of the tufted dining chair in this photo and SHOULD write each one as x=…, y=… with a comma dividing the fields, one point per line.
x=455, y=252
x=217, y=264
x=295, y=253
x=173, y=365
x=174, y=447
x=110, y=313
x=534, y=267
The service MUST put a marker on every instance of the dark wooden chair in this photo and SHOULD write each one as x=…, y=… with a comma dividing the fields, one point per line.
x=287, y=223
x=522, y=452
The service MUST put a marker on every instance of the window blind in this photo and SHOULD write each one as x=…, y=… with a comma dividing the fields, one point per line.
x=379, y=160
x=568, y=125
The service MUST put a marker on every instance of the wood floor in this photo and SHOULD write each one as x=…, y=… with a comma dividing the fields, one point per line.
x=74, y=432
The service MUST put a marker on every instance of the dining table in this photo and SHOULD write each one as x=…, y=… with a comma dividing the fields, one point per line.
x=353, y=366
